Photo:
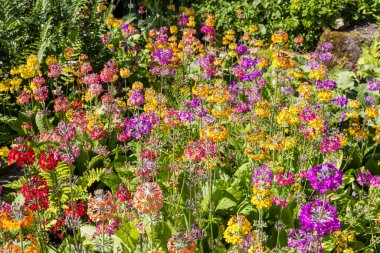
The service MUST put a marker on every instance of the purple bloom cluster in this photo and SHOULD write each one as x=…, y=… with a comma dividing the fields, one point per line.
x=288, y=90
x=366, y=178
x=327, y=46
x=136, y=97
x=319, y=217
x=341, y=101
x=247, y=62
x=262, y=175
x=194, y=103
x=327, y=84
x=109, y=227
x=326, y=56
x=241, y=49
x=140, y=126
x=303, y=241
x=206, y=63
x=64, y=132
x=325, y=177
x=186, y=116
x=330, y=143
x=370, y=100
x=251, y=76
x=163, y=56
x=68, y=153
x=312, y=64
x=182, y=20
x=196, y=233
x=373, y=85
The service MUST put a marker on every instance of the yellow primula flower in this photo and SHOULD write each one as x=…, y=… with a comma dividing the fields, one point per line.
x=4, y=151
x=237, y=226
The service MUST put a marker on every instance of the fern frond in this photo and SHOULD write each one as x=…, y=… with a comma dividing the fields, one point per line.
x=15, y=185
x=91, y=176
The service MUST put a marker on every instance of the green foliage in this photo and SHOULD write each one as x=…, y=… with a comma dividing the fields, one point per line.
x=297, y=17
x=57, y=181
x=367, y=10
x=369, y=63
x=44, y=27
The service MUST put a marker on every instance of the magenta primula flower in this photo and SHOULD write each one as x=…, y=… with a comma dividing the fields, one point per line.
x=373, y=85
x=163, y=56
x=319, y=217
x=330, y=143
x=303, y=241
x=325, y=177
x=262, y=175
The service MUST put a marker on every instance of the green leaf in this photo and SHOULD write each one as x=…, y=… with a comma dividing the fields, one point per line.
x=225, y=204
x=42, y=123
x=87, y=231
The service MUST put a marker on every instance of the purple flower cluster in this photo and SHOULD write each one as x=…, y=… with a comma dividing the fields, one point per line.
x=247, y=62
x=370, y=100
x=195, y=103
x=341, y=101
x=206, y=63
x=327, y=46
x=262, y=175
x=68, y=153
x=327, y=84
x=319, y=217
x=182, y=19
x=196, y=233
x=326, y=56
x=241, y=49
x=186, y=116
x=140, y=126
x=163, y=56
x=373, y=85
x=136, y=97
x=109, y=227
x=325, y=177
x=366, y=178
x=303, y=241
x=312, y=64
x=288, y=90
x=64, y=132
x=330, y=143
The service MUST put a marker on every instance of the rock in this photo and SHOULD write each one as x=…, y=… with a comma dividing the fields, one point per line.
x=339, y=24
x=347, y=44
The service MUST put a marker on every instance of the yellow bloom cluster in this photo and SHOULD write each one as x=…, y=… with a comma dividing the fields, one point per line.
x=262, y=197
x=219, y=95
x=279, y=37
x=259, y=248
x=262, y=109
x=93, y=121
x=342, y=238
x=237, y=226
x=229, y=37
x=288, y=116
x=8, y=222
x=201, y=90
x=125, y=72
x=318, y=73
x=357, y=130
x=282, y=60
x=316, y=126
x=4, y=151
x=216, y=132
x=325, y=95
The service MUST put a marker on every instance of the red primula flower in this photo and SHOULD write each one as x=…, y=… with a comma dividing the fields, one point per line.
x=21, y=155
x=77, y=207
x=47, y=161
x=36, y=193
